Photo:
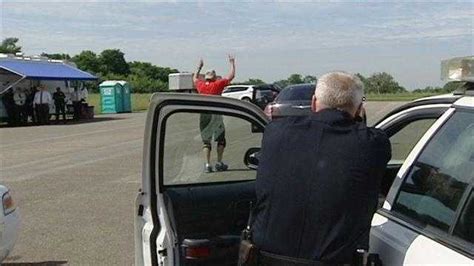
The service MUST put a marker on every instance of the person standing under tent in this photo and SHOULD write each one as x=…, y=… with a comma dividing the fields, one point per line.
x=20, y=111
x=60, y=104
x=9, y=103
x=76, y=98
x=41, y=102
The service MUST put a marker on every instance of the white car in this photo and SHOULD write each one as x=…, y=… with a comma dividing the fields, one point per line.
x=187, y=217
x=240, y=92
x=9, y=223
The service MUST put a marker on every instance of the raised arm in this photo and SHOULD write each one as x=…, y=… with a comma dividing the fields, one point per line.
x=231, y=75
x=196, y=74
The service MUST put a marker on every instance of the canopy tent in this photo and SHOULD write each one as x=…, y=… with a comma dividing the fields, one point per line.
x=41, y=70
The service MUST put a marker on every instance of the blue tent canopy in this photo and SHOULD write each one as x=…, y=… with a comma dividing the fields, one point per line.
x=44, y=70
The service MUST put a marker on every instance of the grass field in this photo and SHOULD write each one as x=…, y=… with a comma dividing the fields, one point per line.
x=140, y=101
x=398, y=97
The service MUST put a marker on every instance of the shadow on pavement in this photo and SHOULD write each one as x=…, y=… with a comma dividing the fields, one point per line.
x=42, y=263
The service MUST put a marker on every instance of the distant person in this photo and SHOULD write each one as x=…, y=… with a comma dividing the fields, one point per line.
x=318, y=179
x=30, y=110
x=84, y=94
x=9, y=103
x=76, y=98
x=20, y=106
x=212, y=126
x=60, y=104
x=42, y=101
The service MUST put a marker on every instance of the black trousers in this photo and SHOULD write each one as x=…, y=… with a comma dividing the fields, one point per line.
x=21, y=117
x=77, y=110
x=60, y=108
x=42, y=112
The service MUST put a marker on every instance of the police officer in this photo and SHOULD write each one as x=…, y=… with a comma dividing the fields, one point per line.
x=318, y=179
x=60, y=104
x=9, y=103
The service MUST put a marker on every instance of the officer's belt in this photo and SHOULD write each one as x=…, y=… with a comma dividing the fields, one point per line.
x=267, y=258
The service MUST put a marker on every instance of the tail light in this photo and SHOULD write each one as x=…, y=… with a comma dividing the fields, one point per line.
x=268, y=110
x=8, y=204
x=272, y=110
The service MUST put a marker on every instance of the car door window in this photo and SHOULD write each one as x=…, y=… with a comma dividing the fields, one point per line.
x=186, y=136
x=406, y=138
x=431, y=193
x=465, y=226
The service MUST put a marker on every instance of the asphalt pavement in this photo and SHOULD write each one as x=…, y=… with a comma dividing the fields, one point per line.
x=75, y=184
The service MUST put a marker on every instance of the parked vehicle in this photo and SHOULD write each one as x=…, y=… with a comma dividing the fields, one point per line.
x=294, y=100
x=261, y=95
x=9, y=223
x=240, y=92
x=187, y=217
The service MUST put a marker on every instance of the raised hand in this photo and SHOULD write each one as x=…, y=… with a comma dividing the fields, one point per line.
x=201, y=63
x=231, y=59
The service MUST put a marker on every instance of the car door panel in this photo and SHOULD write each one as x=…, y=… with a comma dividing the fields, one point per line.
x=397, y=244
x=225, y=205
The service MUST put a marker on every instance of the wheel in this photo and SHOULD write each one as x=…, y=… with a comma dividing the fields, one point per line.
x=246, y=99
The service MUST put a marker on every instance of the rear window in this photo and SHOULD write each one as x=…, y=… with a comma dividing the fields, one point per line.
x=296, y=93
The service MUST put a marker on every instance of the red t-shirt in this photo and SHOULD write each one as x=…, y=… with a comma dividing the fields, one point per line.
x=211, y=87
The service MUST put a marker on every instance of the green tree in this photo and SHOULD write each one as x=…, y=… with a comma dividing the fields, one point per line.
x=295, y=79
x=57, y=56
x=282, y=83
x=144, y=84
x=452, y=86
x=310, y=79
x=113, y=61
x=151, y=71
x=382, y=83
x=9, y=46
x=87, y=61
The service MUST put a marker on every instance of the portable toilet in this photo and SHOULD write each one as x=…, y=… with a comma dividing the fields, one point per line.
x=111, y=96
x=126, y=97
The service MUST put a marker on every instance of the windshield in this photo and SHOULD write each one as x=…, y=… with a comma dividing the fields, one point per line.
x=297, y=93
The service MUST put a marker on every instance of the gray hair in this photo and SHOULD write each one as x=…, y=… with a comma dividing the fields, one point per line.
x=340, y=90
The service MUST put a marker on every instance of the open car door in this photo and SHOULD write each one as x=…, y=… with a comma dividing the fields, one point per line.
x=185, y=215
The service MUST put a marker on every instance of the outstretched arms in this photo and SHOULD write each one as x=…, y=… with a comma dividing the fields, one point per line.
x=196, y=75
x=231, y=75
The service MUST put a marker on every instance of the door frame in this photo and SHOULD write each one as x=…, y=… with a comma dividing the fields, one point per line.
x=163, y=105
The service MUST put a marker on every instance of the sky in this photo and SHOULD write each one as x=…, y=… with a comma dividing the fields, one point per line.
x=270, y=40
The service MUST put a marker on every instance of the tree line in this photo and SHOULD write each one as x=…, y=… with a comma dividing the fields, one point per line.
x=110, y=64
x=145, y=77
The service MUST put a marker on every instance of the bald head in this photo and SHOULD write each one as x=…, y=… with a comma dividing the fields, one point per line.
x=338, y=90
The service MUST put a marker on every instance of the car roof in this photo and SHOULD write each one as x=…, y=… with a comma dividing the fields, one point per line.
x=232, y=86
x=301, y=85
x=466, y=101
x=440, y=99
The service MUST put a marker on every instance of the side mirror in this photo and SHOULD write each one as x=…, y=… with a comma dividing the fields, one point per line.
x=251, y=158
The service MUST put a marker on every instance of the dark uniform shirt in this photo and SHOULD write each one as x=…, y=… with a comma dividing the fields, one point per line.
x=317, y=186
x=59, y=98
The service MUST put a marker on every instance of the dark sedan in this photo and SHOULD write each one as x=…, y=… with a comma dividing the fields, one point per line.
x=294, y=100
